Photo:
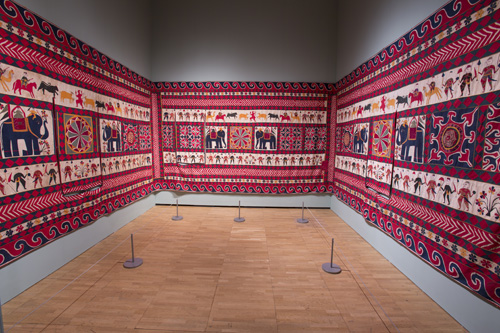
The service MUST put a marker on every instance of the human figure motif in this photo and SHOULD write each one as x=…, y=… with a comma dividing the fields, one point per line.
x=379, y=174
x=25, y=80
x=431, y=189
x=37, y=176
x=370, y=170
x=487, y=74
x=231, y=158
x=269, y=160
x=217, y=159
x=19, y=178
x=417, y=184
x=432, y=86
x=406, y=180
x=252, y=116
x=2, y=186
x=466, y=80
x=447, y=191
x=388, y=173
x=382, y=104
x=463, y=196
x=396, y=179
x=240, y=159
x=448, y=86
x=67, y=172
x=79, y=98
x=416, y=92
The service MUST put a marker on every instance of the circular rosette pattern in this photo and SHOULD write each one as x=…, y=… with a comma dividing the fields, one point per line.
x=382, y=137
x=78, y=134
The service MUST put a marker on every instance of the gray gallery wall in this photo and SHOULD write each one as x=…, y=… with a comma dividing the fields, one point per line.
x=252, y=40
x=256, y=40
x=365, y=27
x=121, y=29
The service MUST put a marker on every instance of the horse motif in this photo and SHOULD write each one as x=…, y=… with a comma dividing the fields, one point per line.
x=220, y=116
x=416, y=96
x=18, y=86
x=110, y=107
x=285, y=117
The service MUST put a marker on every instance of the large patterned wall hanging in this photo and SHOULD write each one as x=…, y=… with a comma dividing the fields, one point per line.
x=75, y=133
x=245, y=137
x=418, y=141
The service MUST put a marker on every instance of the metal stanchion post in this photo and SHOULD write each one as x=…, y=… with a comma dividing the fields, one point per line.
x=177, y=217
x=134, y=262
x=239, y=218
x=302, y=220
x=330, y=267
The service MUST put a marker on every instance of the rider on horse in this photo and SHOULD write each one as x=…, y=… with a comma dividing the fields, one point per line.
x=25, y=80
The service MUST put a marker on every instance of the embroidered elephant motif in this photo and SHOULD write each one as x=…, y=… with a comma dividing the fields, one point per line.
x=31, y=132
x=111, y=135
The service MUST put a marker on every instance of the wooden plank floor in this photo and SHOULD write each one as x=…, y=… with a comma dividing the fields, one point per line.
x=207, y=273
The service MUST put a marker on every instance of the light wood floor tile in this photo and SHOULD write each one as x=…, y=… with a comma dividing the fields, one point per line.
x=207, y=273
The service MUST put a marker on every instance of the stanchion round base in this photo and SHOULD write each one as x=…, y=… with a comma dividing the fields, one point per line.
x=302, y=220
x=132, y=264
x=177, y=218
x=239, y=219
x=331, y=268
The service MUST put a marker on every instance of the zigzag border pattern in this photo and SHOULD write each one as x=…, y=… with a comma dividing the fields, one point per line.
x=22, y=53
x=444, y=264
x=462, y=46
x=422, y=31
x=242, y=103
